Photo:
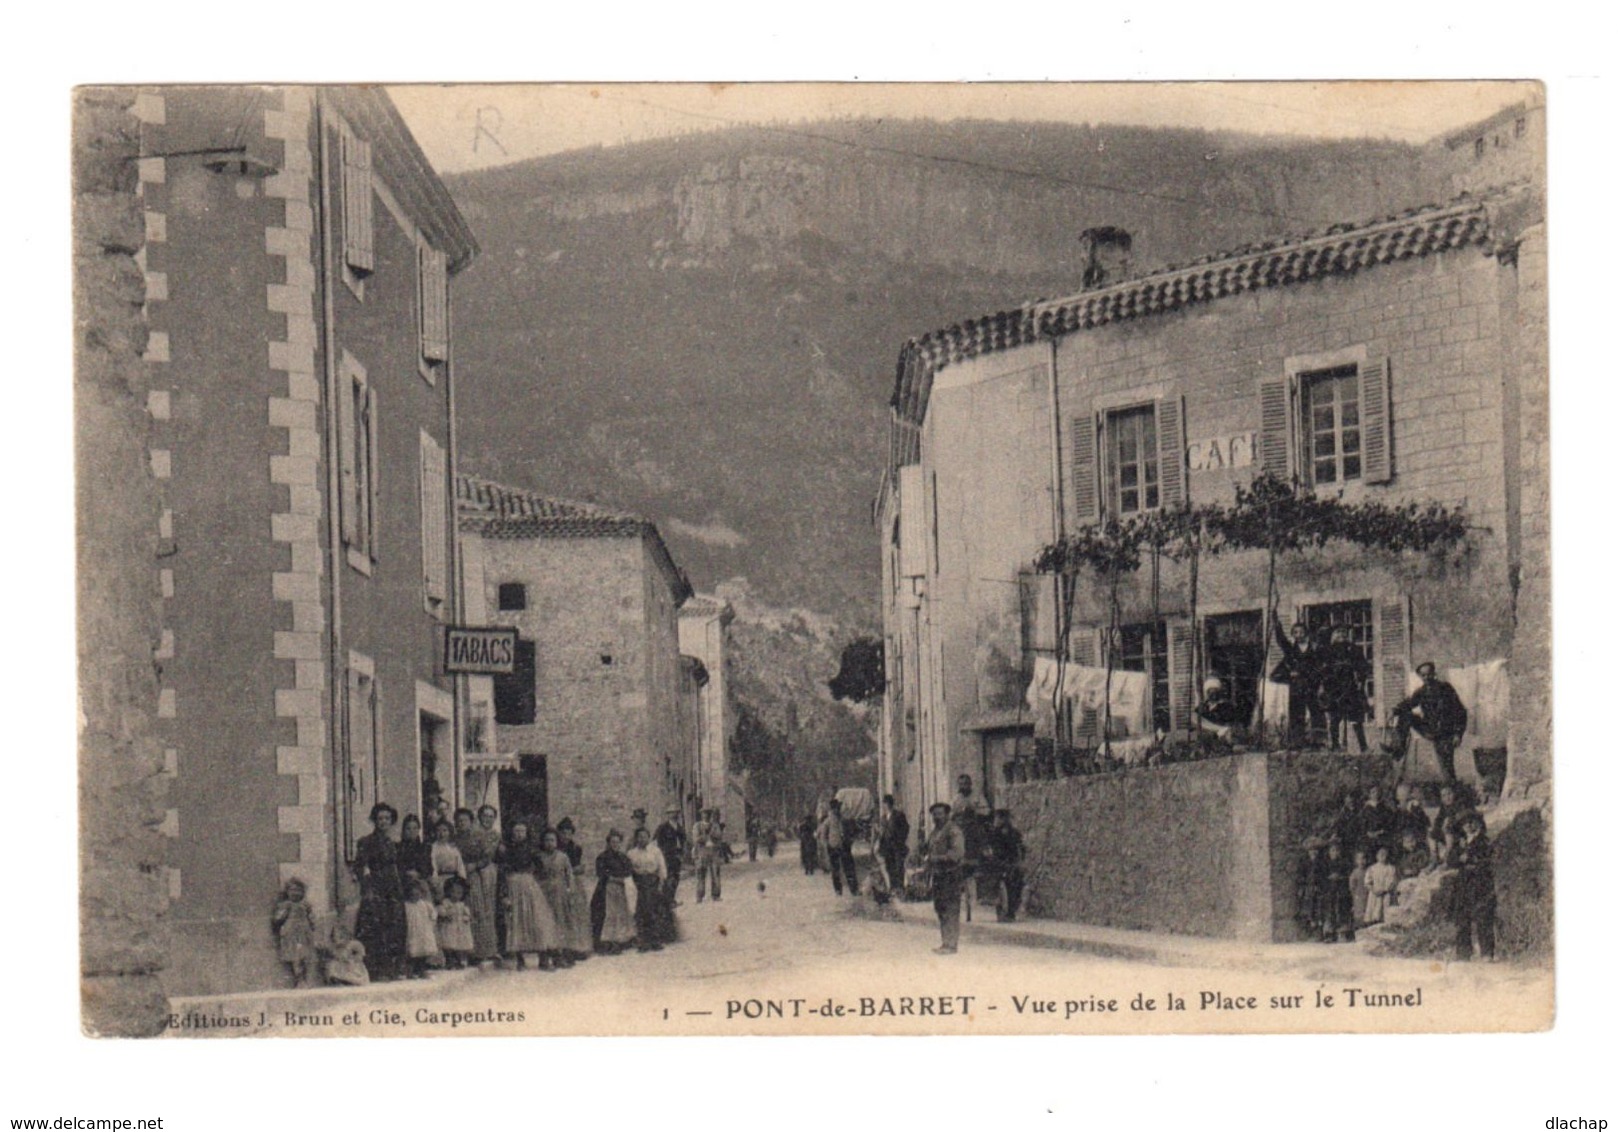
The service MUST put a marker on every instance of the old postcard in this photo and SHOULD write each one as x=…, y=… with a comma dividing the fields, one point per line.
x=813, y=559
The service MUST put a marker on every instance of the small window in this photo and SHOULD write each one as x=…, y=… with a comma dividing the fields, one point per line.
x=1331, y=425
x=1477, y=149
x=606, y=660
x=513, y=597
x=1519, y=127
x=1132, y=471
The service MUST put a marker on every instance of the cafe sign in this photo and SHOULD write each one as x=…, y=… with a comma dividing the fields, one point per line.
x=480, y=652
x=1220, y=452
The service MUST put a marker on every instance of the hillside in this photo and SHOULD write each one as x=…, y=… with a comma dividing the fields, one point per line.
x=704, y=329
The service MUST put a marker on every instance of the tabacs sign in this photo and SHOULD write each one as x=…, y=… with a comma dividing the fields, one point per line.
x=481, y=652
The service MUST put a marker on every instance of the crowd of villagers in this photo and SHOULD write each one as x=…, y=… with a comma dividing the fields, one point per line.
x=1322, y=679
x=471, y=893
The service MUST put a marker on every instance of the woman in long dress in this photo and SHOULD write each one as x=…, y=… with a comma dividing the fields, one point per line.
x=555, y=874
x=611, y=923
x=651, y=871
x=380, y=922
x=580, y=942
x=480, y=850
x=531, y=927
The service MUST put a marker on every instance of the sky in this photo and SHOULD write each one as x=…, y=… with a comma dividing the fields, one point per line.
x=472, y=126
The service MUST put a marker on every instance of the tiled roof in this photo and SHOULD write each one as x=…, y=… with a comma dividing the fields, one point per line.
x=500, y=511
x=1340, y=250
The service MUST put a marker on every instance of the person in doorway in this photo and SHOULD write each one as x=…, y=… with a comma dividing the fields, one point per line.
x=708, y=838
x=1004, y=856
x=1299, y=670
x=1436, y=713
x=1218, y=714
x=1472, y=908
x=670, y=838
x=835, y=837
x=808, y=852
x=380, y=922
x=946, y=859
x=893, y=842
x=480, y=848
x=1343, y=673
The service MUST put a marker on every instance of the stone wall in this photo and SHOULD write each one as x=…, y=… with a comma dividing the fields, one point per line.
x=122, y=788
x=1206, y=848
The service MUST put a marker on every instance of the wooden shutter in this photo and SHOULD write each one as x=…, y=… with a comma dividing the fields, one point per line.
x=1182, y=696
x=1171, y=451
x=359, y=754
x=514, y=698
x=357, y=248
x=432, y=276
x=912, y=523
x=1086, y=483
x=1375, y=418
x=1275, y=444
x=349, y=385
x=370, y=489
x=1392, y=652
x=434, y=530
x=1039, y=611
x=1084, y=649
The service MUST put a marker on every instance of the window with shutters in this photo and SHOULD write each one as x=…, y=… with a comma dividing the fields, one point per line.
x=1144, y=647
x=357, y=450
x=434, y=525
x=1331, y=426
x=360, y=747
x=1326, y=423
x=514, y=697
x=354, y=159
x=1129, y=460
x=432, y=307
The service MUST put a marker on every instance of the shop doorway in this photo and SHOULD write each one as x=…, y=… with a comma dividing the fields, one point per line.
x=1234, y=650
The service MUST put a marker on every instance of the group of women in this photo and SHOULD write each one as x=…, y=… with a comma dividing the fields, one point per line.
x=526, y=893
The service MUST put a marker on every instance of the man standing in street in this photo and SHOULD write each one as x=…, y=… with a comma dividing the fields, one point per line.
x=946, y=855
x=834, y=835
x=707, y=838
x=971, y=813
x=893, y=842
x=670, y=838
x=1435, y=713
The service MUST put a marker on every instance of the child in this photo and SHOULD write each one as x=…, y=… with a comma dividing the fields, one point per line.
x=455, y=924
x=446, y=859
x=1381, y=879
x=1414, y=858
x=421, y=927
x=346, y=967
x=294, y=927
x=1356, y=887
x=1309, y=877
x=1472, y=909
x=1337, y=899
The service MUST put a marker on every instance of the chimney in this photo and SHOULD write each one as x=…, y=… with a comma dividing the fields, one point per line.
x=1106, y=256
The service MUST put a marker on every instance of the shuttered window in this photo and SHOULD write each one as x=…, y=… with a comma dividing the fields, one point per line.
x=1084, y=649
x=434, y=523
x=1393, y=651
x=1328, y=427
x=1182, y=683
x=357, y=448
x=432, y=286
x=514, y=695
x=355, y=152
x=1129, y=460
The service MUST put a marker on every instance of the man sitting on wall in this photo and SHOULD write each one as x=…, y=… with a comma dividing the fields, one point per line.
x=1218, y=714
x=1434, y=712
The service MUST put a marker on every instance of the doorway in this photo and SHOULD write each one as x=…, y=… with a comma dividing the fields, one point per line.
x=1235, y=654
x=525, y=795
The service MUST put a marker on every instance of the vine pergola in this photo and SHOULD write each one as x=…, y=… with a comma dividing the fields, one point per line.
x=1277, y=516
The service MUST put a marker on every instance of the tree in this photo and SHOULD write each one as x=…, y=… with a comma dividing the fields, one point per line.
x=861, y=677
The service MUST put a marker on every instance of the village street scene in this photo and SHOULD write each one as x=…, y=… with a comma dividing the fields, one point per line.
x=816, y=570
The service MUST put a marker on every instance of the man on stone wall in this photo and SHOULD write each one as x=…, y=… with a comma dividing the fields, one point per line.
x=1434, y=712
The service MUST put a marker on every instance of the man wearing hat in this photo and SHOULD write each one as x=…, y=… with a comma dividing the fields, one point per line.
x=670, y=838
x=946, y=854
x=1435, y=713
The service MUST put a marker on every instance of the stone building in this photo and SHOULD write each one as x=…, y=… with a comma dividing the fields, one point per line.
x=297, y=253
x=1396, y=360
x=592, y=724
x=704, y=638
